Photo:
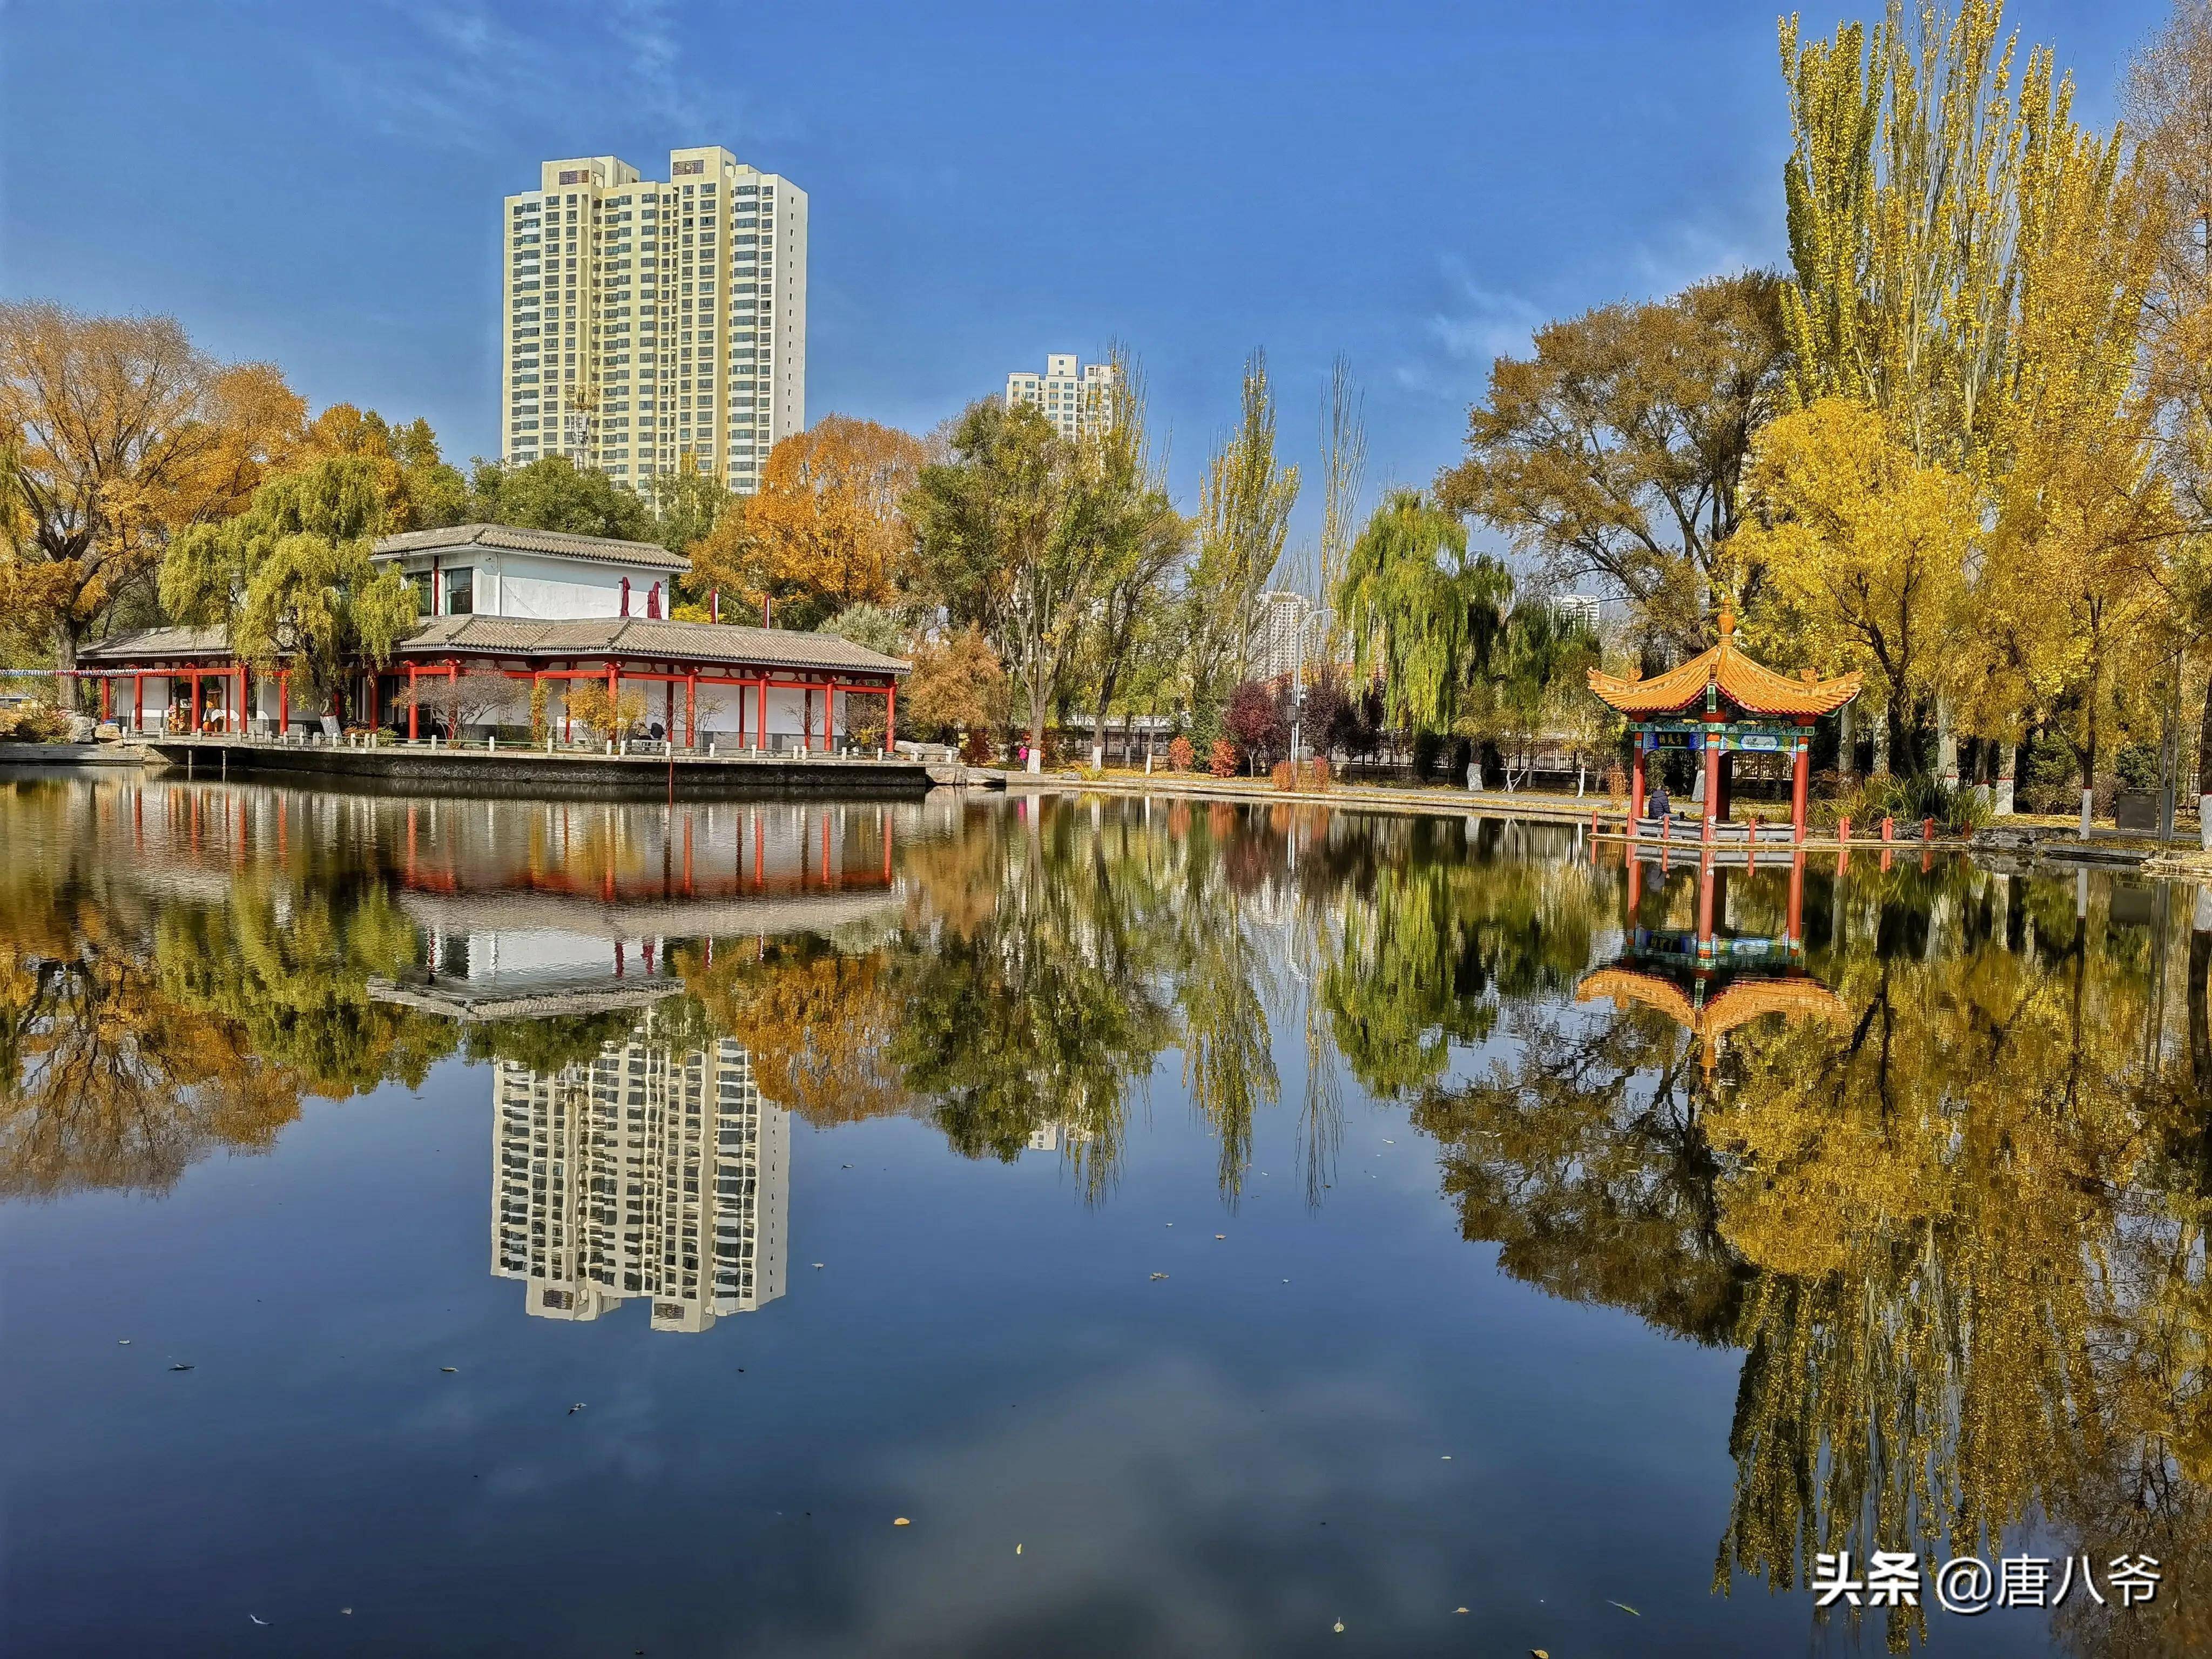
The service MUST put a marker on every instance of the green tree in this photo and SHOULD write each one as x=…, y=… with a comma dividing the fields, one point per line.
x=686, y=505
x=1243, y=521
x=1613, y=451
x=1422, y=615
x=290, y=580
x=556, y=494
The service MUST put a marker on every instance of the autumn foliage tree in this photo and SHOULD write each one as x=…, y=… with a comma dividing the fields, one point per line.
x=118, y=434
x=825, y=530
x=291, y=580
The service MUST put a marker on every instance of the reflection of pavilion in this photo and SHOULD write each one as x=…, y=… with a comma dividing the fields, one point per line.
x=1708, y=978
x=645, y=1171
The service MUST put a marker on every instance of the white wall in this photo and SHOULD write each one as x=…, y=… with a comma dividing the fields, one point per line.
x=547, y=588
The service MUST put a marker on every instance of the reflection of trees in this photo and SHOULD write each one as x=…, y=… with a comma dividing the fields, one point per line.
x=817, y=1021
x=1961, y=1242
x=1043, y=1008
x=138, y=1033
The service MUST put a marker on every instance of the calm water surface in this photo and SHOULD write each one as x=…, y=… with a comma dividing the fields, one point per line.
x=1215, y=1230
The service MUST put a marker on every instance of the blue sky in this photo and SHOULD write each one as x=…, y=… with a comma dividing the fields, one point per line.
x=320, y=184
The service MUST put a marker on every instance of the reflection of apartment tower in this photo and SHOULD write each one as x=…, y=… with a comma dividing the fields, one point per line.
x=644, y=1172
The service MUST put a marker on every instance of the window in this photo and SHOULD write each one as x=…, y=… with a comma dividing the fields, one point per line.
x=460, y=592
x=420, y=579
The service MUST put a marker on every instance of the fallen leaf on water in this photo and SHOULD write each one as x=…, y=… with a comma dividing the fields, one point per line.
x=1339, y=1624
x=1159, y=1275
x=1623, y=1606
x=122, y=1342
x=1459, y=1609
x=186, y=1368
x=257, y=1620
x=902, y=1522
x=450, y=1370
x=1017, y=1549
x=1221, y=1235
x=1538, y=1653
x=574, y=1409
x=817, y=1264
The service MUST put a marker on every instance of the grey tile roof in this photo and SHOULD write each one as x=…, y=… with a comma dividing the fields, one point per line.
x=591, y=637
x=603, y=549
x=158, y=642
x=637, y=636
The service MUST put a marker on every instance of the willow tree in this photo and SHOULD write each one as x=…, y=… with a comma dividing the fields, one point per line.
x=1424, y=616
x=290, y=580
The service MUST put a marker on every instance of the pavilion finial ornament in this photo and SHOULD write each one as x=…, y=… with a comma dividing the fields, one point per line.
x=1728, y=620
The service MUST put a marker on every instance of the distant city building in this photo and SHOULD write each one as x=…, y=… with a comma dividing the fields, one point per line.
x=648, y=1172
x=1076, y=397
x=1281, y=633
x=1585, y=607
x=651, y=327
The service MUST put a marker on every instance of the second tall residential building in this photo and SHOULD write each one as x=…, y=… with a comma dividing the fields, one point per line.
x=654, y=327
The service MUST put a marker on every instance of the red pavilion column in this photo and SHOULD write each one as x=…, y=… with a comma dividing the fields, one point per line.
x=1711, y=759
x=414, y=708
x=691, y=710
x=1800, y=772
x=890, y=718
x=1636, y=785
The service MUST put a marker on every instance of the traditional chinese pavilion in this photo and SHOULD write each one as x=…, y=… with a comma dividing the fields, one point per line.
x=1720, y=704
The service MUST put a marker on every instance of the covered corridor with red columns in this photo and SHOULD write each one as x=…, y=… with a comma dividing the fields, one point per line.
x=1720, y=704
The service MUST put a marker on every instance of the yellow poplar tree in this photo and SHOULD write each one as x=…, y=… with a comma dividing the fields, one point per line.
x=1865, y=550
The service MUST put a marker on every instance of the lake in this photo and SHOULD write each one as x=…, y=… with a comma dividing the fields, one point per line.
x=1073, y=1226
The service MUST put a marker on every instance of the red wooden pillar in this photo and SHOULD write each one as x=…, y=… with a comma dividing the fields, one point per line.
x=1712, y=781
x=414, y=708
x=890, y=718
x=196, y=701
x=137, y=702
x=567, y=686
x=374, y=712
x=691, y=710
x=760, y=738
x=1800, y=769
x=614, y=676
x=283, y=701
x=106, y=686
x=1636, y=786
x=668, y=710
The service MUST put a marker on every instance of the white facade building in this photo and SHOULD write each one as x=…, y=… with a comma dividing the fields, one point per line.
x=1281, y=632
x=494, y=570
x=645, y=1172
x=651, y=327
x=1076, y=397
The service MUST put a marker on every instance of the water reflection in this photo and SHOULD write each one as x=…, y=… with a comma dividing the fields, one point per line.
x=1925, y=1142
x=653, y=1168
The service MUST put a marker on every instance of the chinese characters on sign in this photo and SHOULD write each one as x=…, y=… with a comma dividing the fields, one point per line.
x=1966, y=1583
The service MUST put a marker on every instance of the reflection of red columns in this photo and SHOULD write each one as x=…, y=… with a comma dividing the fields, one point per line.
x=1800, y=770
x=1794, y=924
x=1635, y=886
x=408, y=871
x=687, y=855
x=884, y=823
x=826, y=848
x=760, y=849
x=1636, y=786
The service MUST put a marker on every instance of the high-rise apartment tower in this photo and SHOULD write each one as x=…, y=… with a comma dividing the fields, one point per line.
x=654, y=327
x=1075, y=398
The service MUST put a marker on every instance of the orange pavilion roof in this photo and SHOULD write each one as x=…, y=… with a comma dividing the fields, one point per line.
x=1751, y=686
